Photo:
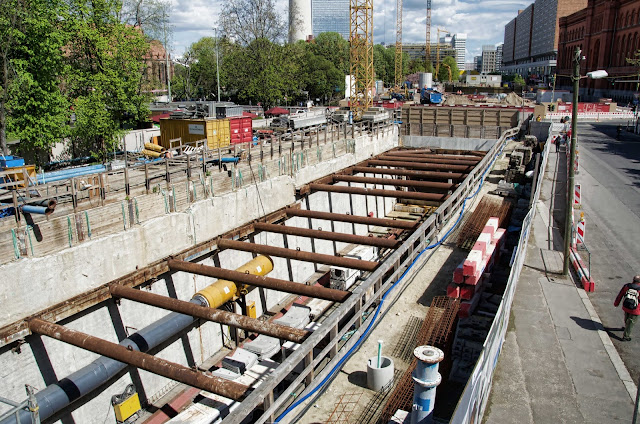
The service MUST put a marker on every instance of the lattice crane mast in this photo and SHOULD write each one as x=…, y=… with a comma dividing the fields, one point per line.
x=398, y=73
x=427, y=50
x=361, y=56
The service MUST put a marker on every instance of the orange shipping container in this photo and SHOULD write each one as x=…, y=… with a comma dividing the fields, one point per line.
x=190, y=131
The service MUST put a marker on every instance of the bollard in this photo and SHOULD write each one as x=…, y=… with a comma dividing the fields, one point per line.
x=425, y=378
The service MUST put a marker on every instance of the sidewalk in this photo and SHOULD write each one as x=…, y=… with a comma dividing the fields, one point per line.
x=557, y=363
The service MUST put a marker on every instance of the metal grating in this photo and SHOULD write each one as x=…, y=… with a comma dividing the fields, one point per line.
x=405, y=344
x=435, y=331
x=347, y=403
x=473, y=226
x=373, y=409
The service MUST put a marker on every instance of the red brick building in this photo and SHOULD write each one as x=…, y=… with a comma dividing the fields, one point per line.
x=608, y=32
x=156, y=70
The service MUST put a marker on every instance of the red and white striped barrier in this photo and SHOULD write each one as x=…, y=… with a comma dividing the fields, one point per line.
x=580, y=227
x=577, y=202
x=583, y=272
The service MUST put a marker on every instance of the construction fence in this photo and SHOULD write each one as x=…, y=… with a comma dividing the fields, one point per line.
x=473, y=400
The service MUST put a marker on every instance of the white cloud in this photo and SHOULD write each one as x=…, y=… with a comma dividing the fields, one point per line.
x=482, y=20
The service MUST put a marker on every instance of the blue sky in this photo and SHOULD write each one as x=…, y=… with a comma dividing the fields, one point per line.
x=482, y=20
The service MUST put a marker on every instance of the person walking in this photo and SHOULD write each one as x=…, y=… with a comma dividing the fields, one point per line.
x=629, y=294
x=557, y=142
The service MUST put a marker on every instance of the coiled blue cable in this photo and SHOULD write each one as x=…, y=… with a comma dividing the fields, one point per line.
x=384, y=296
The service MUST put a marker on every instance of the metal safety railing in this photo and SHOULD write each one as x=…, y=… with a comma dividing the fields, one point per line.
x=30, y=404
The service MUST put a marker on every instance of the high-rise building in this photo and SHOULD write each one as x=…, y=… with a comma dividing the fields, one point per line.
x=477, y=60
x=299, y=20
x=499, y=57
x=488, y=59
x=457, y=42
x=330, y=16
x=531, y=38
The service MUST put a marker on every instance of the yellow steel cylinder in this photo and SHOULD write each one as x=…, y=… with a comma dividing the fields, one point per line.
x=223, y=291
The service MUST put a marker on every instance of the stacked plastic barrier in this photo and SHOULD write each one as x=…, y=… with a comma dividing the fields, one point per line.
x=470, y=277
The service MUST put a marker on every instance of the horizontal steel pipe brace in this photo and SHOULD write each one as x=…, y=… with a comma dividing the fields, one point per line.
x=140, y=360
x=419, y=159
x=424, y=154
x=446, y=167
x=438, y=197
x=210, y=314
x=394, y=182
x=317, y=292
x=297, y=255
x=409, y=173
x=355, y=219
x=326, y=235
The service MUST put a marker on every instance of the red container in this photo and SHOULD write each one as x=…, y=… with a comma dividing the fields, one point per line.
x=241, y=129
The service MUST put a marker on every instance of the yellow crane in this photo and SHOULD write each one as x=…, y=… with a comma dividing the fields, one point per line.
x=361, y=56
x=427, y=51
x=398, y=63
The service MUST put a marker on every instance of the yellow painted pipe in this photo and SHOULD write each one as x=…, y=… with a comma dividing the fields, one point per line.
x=150, y=153
x=222, y=291
x=153, y=147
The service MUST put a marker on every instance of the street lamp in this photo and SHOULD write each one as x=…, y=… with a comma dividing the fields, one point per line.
x=572, y=157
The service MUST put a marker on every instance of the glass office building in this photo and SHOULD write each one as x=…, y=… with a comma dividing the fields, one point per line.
x=330, y=16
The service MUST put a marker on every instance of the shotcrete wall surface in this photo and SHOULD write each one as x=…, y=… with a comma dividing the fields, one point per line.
x=35, y=284
x=457, y=143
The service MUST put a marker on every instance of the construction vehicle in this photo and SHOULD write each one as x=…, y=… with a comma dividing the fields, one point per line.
x=430, y=96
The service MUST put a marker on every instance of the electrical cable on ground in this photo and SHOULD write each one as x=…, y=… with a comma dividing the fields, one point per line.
x=365, y=334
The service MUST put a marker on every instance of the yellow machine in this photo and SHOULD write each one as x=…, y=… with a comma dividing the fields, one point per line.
x=126, y=404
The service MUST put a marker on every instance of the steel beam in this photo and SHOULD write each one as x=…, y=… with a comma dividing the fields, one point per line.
x=394, y=182
x=318, y=292
x=413, y=165
x=210, y=314
x=355, y=219
x=421, y=159
x=140, y=360
x=409, y=173
x=438, y=197
x=426, y=154
x=298, y=255
x=327, y=235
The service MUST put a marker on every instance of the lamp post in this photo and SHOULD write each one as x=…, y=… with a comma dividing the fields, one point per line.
x=572, y=155
x=217, y=65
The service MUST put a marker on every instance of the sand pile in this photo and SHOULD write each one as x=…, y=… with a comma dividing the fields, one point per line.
x=512, y=99
x=456, y=99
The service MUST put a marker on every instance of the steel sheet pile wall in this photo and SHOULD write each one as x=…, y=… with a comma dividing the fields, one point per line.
x=473, y=401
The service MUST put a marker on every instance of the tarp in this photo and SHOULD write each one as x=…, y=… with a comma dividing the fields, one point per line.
x=277, y=111
x=249, y=115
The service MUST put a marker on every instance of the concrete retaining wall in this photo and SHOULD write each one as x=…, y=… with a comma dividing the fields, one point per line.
x=33, y=284
x=448, y=142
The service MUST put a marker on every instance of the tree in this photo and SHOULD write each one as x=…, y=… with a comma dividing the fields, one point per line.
x=321, y=77
x=246, y=21
x=105, y=80
x=32, y=107
x=443, y=72
x=149, y=15
x=334, y=48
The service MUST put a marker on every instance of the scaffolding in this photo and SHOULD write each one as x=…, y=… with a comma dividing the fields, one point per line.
x=361, y=57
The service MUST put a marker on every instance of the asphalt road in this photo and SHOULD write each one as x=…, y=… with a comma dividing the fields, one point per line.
x=609, y=173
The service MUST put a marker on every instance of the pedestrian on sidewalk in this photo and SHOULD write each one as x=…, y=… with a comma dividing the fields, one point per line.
x=630, y=305
x=557, y=142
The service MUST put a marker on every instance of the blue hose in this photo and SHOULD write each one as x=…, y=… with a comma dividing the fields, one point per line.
x=384, y=296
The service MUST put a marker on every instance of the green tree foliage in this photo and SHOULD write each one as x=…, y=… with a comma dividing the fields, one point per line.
x=334, y=48
x=105, y=78
x=32, y=107
x=443, y=72
x=321, y=77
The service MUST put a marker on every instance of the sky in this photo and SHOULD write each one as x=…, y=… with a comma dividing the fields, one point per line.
x=482, y=20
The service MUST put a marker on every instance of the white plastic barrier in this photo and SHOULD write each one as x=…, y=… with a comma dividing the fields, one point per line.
x=593, y=116
x=473, y=401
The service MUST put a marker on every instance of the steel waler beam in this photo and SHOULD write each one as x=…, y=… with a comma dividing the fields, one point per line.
x=210, y=314
x=355, y=219
x=409, y=173
x=317, y=292
x=298, y=255
x=413, y=165
x=326, y=235
x=409, y=153
x=394, y=182
x=419, y=159
x=140, y=360
x=438, y=197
